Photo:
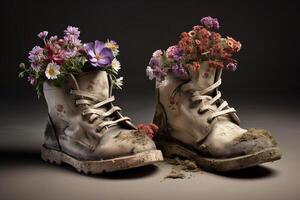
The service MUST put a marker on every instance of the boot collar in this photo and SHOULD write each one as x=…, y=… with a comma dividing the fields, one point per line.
x=94, y=82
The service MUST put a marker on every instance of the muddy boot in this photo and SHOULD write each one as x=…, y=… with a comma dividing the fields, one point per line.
x=194, y=121
x=88, y=132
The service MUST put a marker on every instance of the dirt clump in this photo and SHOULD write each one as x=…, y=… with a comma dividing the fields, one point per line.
x=181, y=168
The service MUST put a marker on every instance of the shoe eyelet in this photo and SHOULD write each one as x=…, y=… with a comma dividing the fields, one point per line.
x=209, y=120
x=201, y=111
x=70, y=91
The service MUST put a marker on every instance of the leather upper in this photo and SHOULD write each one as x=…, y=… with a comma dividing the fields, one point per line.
x=77, y=135
x=186, y=123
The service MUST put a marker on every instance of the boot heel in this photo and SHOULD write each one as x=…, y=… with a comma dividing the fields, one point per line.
x=171, y=149
x=51, y=156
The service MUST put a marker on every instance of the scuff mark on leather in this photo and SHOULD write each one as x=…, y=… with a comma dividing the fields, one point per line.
x=135, y=137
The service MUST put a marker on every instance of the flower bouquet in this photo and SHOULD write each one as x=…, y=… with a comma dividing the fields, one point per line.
x=59, y=57
x=200, y=45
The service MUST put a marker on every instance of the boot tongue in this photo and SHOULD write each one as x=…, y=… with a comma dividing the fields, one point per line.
x=205, y=77
x=95, y=82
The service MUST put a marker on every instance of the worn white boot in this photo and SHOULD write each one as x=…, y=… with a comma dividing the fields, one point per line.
x=201, y=126
x=193, y=120
x=88, y=132
x=84, y=128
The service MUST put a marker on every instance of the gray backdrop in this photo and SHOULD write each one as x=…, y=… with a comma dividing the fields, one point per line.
x=268, y=63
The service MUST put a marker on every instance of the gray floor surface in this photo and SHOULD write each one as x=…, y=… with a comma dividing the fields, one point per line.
x=23, y=175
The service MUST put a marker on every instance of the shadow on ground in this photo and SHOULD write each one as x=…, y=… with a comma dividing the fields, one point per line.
x=21, y=158
x=255, y=172
x=10, y=159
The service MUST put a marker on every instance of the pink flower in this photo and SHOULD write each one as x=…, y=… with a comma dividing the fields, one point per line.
x=72, y=31
x=36, y=57
x=210, y=23
x=31, y=79
x=55, y=55
x=174, y=52
x=231, y=66
x=72, y=36
x=43, y=34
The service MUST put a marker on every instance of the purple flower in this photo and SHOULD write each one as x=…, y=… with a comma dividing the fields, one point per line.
x=154, y=61
x=231, y=66
x=35, y=66
x=154, y=70
x=210, y=23
x=179, y=71
x=72, y=36
x=69, y=54
x=31, y=79
x=72, y=40
x=36, y=56
x=53, y=38
x=72, y=31
x=174, y=52
x=98, y=54
x=43, y=34
x=159, y=73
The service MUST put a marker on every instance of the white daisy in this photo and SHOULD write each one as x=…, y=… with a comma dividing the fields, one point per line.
x=113, y=46
x=115, y=64
x=149, y=73
x=157, y=53
x=52, y=71
x=119, y=82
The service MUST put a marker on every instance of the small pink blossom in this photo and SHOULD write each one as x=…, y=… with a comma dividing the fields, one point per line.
x=43, y=34
x=31, y=79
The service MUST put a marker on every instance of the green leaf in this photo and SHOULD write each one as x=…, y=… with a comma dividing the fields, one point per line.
x=60, y=80
x=22, y=74
x=74, y=65
x=39, y=88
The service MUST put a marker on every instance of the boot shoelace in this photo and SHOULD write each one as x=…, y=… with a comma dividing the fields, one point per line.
x=94, y=110
x=200, y=95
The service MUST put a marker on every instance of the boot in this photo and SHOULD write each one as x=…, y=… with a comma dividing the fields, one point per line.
x=197, y=124
x=88, y=132
x=194, y=121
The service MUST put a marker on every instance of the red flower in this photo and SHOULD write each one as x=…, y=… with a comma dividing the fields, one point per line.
x=204, y=33
x=149, y=129
x=187, y=46
x=215, y=37
x=53, y=55
x=234, y=46
x=196, y=66
x=215, y=64
x=184, y=34
x=215, y=50
x=225, y=56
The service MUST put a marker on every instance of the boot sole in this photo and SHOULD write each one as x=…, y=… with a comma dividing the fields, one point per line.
x=171, y=149
x=109, y=165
